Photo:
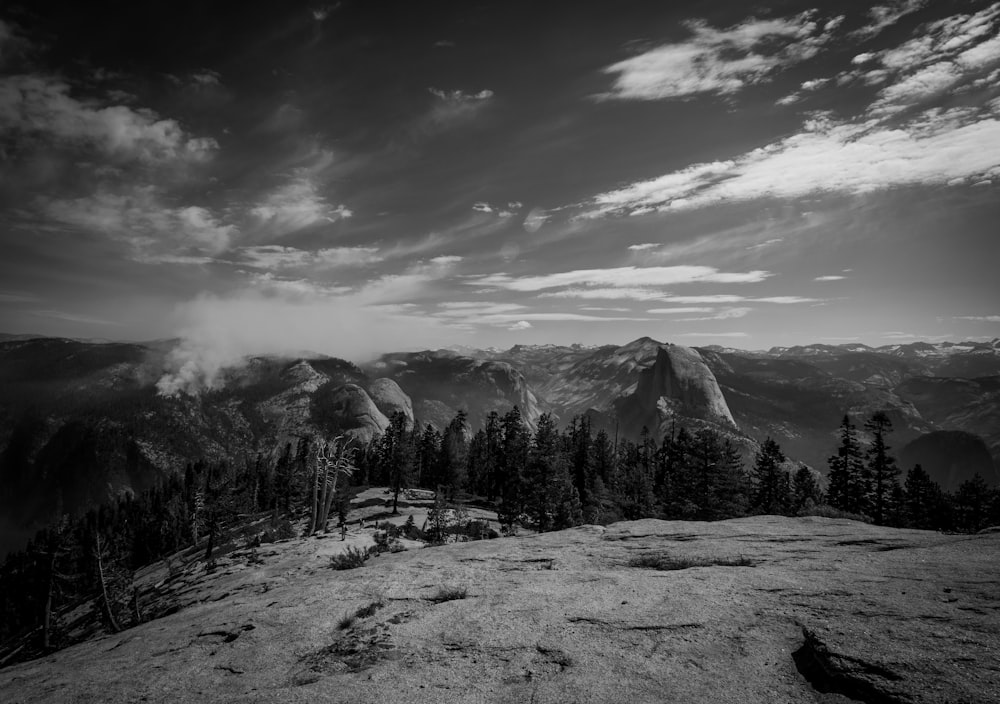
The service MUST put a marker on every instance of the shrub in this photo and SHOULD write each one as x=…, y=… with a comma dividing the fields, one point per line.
x=281, y=529
x=448, y=594
x=349, y=559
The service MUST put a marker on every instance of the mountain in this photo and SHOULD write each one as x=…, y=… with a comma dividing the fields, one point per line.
x=760, y=609
x=443, y=382
x=81, y=422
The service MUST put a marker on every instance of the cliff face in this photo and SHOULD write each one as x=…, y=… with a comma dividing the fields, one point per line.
x=391, y=399
x=681, y=377
x=678, y=388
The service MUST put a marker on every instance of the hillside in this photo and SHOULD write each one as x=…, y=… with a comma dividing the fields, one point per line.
x=82, y=422
x=757, y=609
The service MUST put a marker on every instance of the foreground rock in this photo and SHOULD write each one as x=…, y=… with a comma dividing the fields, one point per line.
x=763, y=609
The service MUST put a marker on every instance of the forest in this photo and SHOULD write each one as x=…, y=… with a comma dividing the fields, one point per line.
x=542, y=480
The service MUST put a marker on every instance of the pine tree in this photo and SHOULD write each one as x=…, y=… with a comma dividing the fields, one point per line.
x=972, y=504
x=397, y=457
x=848, y=478
x=771, y=489
x=805, y=490
x=512, y=458
x=881, y=465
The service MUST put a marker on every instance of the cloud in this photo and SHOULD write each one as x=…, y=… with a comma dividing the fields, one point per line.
x=720, y=61
x=454, y=107
x=140, y=218
x=643, y=247
x=18, y=297
x=294, y=206
x=219, y=332
x=276, y=315
x=73, y=317
x=520, y=325
x=711, y=334
x=280, y=257
x=894, y=141
x=678, y=311
x=41, y=107
x=946, y=53
x=886, y=15
x=501, y=211
x=830, y=277
x=726, y=314
x=980, y=318
x=610, y=294
x=206, y=77
x=626, y=277
x=853, y=158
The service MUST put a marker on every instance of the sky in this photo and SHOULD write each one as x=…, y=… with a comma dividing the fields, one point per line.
x=358, y=177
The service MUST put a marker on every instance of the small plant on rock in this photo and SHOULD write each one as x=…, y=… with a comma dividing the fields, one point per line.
x=349, y=559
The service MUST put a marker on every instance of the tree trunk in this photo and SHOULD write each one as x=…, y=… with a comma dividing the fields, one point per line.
x=329, y=499
x=105, y=601
x=322, y=506
x=315, y=506
x=47, y=620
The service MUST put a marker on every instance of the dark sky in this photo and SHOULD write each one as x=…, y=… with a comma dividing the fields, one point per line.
x=363, y=176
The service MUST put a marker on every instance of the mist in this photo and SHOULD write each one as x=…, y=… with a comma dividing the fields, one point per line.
x=217, y=333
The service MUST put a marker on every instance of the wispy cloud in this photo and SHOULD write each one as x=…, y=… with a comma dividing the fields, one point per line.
x=883, y=16
x=711, y=334
x=37, y=107
x=830, y=277
x=718, y=60
x=980, y=318
x=886, y=145
x=455, y=107
x=73, y=317
x=832, y=157
x=295, y=206
x=18, y=297
x=280, y=257
x=140, y=217
x=629, y=277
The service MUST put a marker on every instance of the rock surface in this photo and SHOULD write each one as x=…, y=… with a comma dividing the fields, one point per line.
x=775, y=610
x=391, y=399
x=681, y=376
x=353, y=411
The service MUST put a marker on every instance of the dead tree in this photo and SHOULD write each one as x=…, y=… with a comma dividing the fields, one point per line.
x=330, y=461
x=106, y=605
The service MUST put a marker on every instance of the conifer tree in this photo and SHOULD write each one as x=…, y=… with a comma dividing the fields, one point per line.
x=848, y=477
x=881, y=466
x=771, y=489
x=805, y=490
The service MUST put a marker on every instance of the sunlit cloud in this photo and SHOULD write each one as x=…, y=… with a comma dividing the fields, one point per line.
x=718, y=60
x=37, y=107
x=140, y=217
x=626, y=277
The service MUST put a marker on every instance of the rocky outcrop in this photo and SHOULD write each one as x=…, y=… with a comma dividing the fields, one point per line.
x=681, y=377
x=677, y=389
x=459, y=383
x=391, y=399
x=950, y=457
x=760, y=609
x=348, y=409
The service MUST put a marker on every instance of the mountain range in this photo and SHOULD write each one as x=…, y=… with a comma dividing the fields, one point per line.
x=81, y=421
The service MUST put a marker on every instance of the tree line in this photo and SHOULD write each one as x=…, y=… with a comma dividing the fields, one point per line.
x=542, y=479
